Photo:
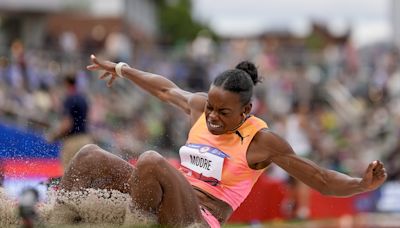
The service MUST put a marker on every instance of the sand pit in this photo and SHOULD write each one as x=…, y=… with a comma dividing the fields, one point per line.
x=91, y=206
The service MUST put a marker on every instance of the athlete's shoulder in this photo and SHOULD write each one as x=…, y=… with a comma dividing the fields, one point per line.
x=201, y=95
x=272, y=142
x=198, y=100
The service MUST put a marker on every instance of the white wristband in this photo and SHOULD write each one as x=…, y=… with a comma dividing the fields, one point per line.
x=118, y=68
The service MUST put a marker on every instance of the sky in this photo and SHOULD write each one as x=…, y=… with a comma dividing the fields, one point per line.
x=369, y=20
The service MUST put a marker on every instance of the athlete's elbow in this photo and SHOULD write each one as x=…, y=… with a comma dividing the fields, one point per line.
x=162, y=95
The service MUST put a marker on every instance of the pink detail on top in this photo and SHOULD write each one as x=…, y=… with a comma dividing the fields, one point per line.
x=210, y=219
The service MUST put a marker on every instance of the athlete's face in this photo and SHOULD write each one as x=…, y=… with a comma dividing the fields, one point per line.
x=223, y=111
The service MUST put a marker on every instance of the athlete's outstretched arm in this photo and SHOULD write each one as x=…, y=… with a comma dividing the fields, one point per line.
x=156, y=85
x=327, y=182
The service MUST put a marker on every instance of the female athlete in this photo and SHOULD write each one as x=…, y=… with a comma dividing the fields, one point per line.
x=227, y=149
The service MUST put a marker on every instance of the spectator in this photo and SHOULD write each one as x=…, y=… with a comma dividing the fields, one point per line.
x=73, y=129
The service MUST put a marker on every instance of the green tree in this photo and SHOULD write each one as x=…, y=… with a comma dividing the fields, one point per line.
x=176, y=22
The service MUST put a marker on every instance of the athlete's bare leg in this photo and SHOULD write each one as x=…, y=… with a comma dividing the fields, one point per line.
x=158, y=186
x=154, y=184
x=93, y=167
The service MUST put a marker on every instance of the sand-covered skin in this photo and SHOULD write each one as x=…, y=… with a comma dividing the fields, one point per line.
x=85, y=207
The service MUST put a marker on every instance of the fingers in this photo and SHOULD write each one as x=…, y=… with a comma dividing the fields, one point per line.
x=97, y=65
x=382, y=174
x=112, y=79
x=378, y=170
x=94, y=59
x=93, y=67
x=371, y=166
x=377, y=165
x=104, y=75
x=374, y=176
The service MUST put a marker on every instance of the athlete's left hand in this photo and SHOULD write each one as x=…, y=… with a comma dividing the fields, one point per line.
x=374, y=176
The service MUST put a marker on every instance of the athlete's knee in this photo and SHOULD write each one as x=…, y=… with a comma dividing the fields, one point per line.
x=88, y=148
x=150, y=156
x=87, y=152
x=150, y=160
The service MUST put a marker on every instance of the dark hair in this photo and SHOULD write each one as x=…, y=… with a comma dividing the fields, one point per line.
x=70, y=79
x=240, y=80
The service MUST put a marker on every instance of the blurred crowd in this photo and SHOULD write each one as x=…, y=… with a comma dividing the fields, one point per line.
x=339, y=106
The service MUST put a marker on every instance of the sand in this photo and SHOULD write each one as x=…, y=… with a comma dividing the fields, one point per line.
x=101, y=207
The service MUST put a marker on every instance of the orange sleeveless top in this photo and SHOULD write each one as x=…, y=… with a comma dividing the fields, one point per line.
x=217, y=164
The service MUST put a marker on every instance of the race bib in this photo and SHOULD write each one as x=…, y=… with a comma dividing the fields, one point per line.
x=202, y=159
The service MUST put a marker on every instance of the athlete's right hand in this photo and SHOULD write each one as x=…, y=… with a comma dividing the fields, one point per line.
x=374, y=176
x=107, y=66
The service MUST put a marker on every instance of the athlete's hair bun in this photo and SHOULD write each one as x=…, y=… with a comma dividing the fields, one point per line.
x=250, y=69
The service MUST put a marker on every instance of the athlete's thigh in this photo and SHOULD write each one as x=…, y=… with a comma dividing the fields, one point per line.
x=181, y=202
x=93, y=167
x=178, y=201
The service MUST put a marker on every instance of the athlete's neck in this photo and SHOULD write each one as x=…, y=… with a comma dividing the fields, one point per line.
x=239, y=125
